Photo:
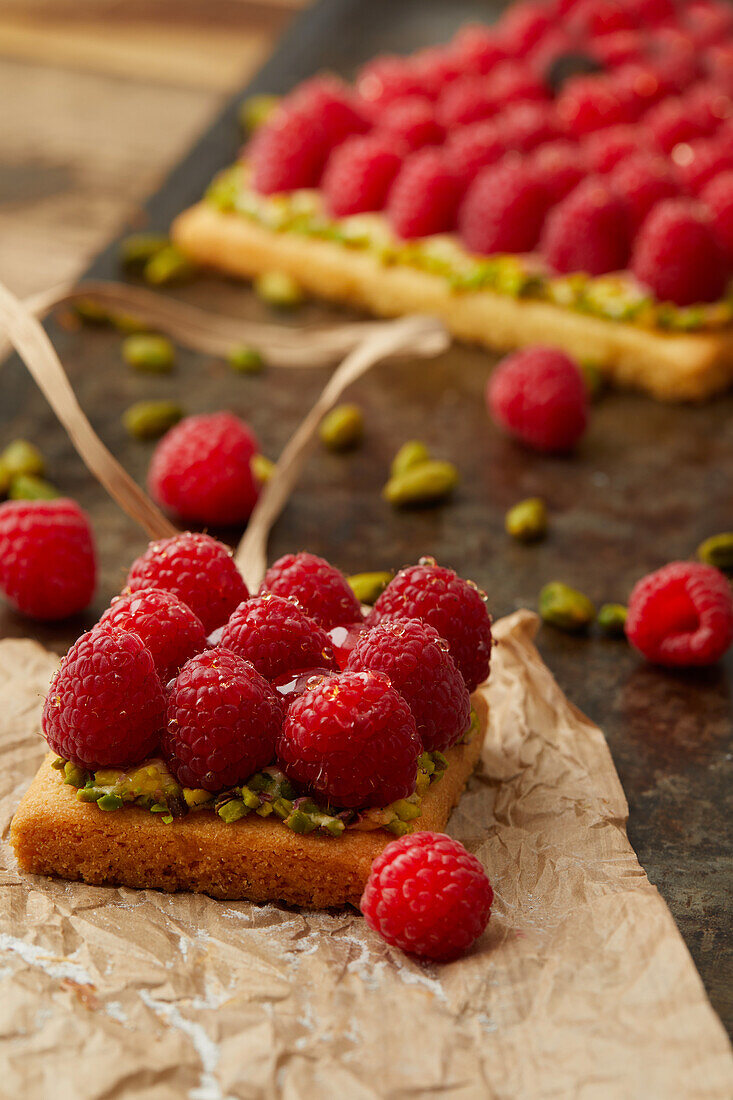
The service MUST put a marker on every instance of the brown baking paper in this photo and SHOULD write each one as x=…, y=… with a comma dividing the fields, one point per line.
x=580, y=987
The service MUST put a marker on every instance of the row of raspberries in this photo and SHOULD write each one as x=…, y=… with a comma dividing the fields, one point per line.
x=537, y=135
x=186, y=664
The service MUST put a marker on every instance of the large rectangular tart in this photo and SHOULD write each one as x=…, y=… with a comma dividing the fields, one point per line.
x=257, y=858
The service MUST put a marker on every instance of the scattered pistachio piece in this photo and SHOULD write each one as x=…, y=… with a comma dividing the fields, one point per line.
x=342, y=428
x=406, y=810
x=151, y=419
x=262, y=468
x=426, y=483
x=527, y=520
x=612, y=619
x=255, y=110
x=28, y=487
x=91, y=312
x=278, y=289
x=125, y=322
x=138, y=248
x=410, y=454
x=168, y=266
x=368, y=587
x=22, y=457
x=149, y=353
x=718, y=551
x=74, y=776
x=245, y=360
x=565, y=607
x=110, y=802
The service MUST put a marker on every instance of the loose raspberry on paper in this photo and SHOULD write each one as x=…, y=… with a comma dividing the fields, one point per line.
x=196, y=568
x=360, y=173
x=320, y=589
x=277, y=637
x=201, y=470
x=677, y=255
x=105, y=707
x=419, y=666
x=681, y=615
x=539, y=396
x=424, y=197
x=352, y=741
x=428, y=896
x=163, y=623
x=222, y=721
x=48, y=562
x=454, y=607
x=504, y=208
x=588, y=231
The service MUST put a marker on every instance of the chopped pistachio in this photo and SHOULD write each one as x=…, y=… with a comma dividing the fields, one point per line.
x=423, y=484
x=167, y=267
x=110, y=802
x=278, y=289
x=718, y=551
x=151, y=419
x=262, y=468
x=399, y=828
x=265, y=809
x=193, y=796
x=342, y=428
x=527, y=520
x=406, y=810
x=28, y=487
x=149, y=353
x=565, y=607
x=21, y=457
x=246, y=360
x=90, y=794
x=368, y=587
x=410, y=454
x=255, y=111
x=137, y=249
x=300, y=822
x=612, y=619
x=74, y=776
x=232, y=811
x=283, y=807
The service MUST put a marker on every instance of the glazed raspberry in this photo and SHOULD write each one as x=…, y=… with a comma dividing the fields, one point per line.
x=413, y=121
x=524, y=126
x=105, y=707
x=343, y=639
x=384, y=79
x=592, y=18
x=588, y=231
x=588, y=103
x=463, y=101
x=201, y=470
x=291, y=685
x=48, y=563
x=360, y=173
x=677, y=256
x=320, y=589
x=681, y=615
x=351, y=741
x=522, y=26
x=222, y=722
x=539, y=395
x=717, y=196
x=512, y=82
x=675, y=120
x=604, y=149
x=424, y=197
x=428, y=896
x=164, y=624
x=276, y=636
x=452, y=606
x=287, y=153
x=416, y=659
x=329, y=103
x=197, y=569
x=642, y=181
x=504, y=208
x=699, y=161
x=473, y=147
x=560, y=167
x=477, y=49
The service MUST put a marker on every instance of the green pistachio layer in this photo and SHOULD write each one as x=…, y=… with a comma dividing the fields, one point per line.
x=612, y=297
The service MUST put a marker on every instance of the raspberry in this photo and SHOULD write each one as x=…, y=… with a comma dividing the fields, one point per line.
x=618, y=48
x=434, y=67
x=524, y=126
x=717, y=196
x=287, y=153
x=416, y=660
x=504, y=208
x=463, y=101
x=642, y=181
x=412, y=120
x=699, y=161
x=276, y=636
x=712, y=102
x=424, y=197
x=473, y=147
x=709, y=24
x=454, y=607
x=681, y=615
x=677, y=256
x=588, y=231
x=48, y=563
x=538, y=394
x=592, y=18
x=588, y=103
x=477, y=49
x=522, y=26
x=675, y=59
x=719, y=65
x=223, y=721
x=384, y=79
x=360, y=173
x=197, y=569
x=512, y=82
x=638, y=86
x=201, y=470
x=291, y=685
x=319, y=588
x=330, y=103
x=605, y=148
x=343, y=639
x=557, y=58
x=105, y=707
x=559, y=165
x=675, y=120
x=650, y=13
x=428, y=896
x=164, y=624
x=351, y=741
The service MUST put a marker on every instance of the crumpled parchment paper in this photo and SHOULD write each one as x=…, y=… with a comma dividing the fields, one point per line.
x=580, y=987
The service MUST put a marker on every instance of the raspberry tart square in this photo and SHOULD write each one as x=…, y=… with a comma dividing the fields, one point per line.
x=254, y=858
